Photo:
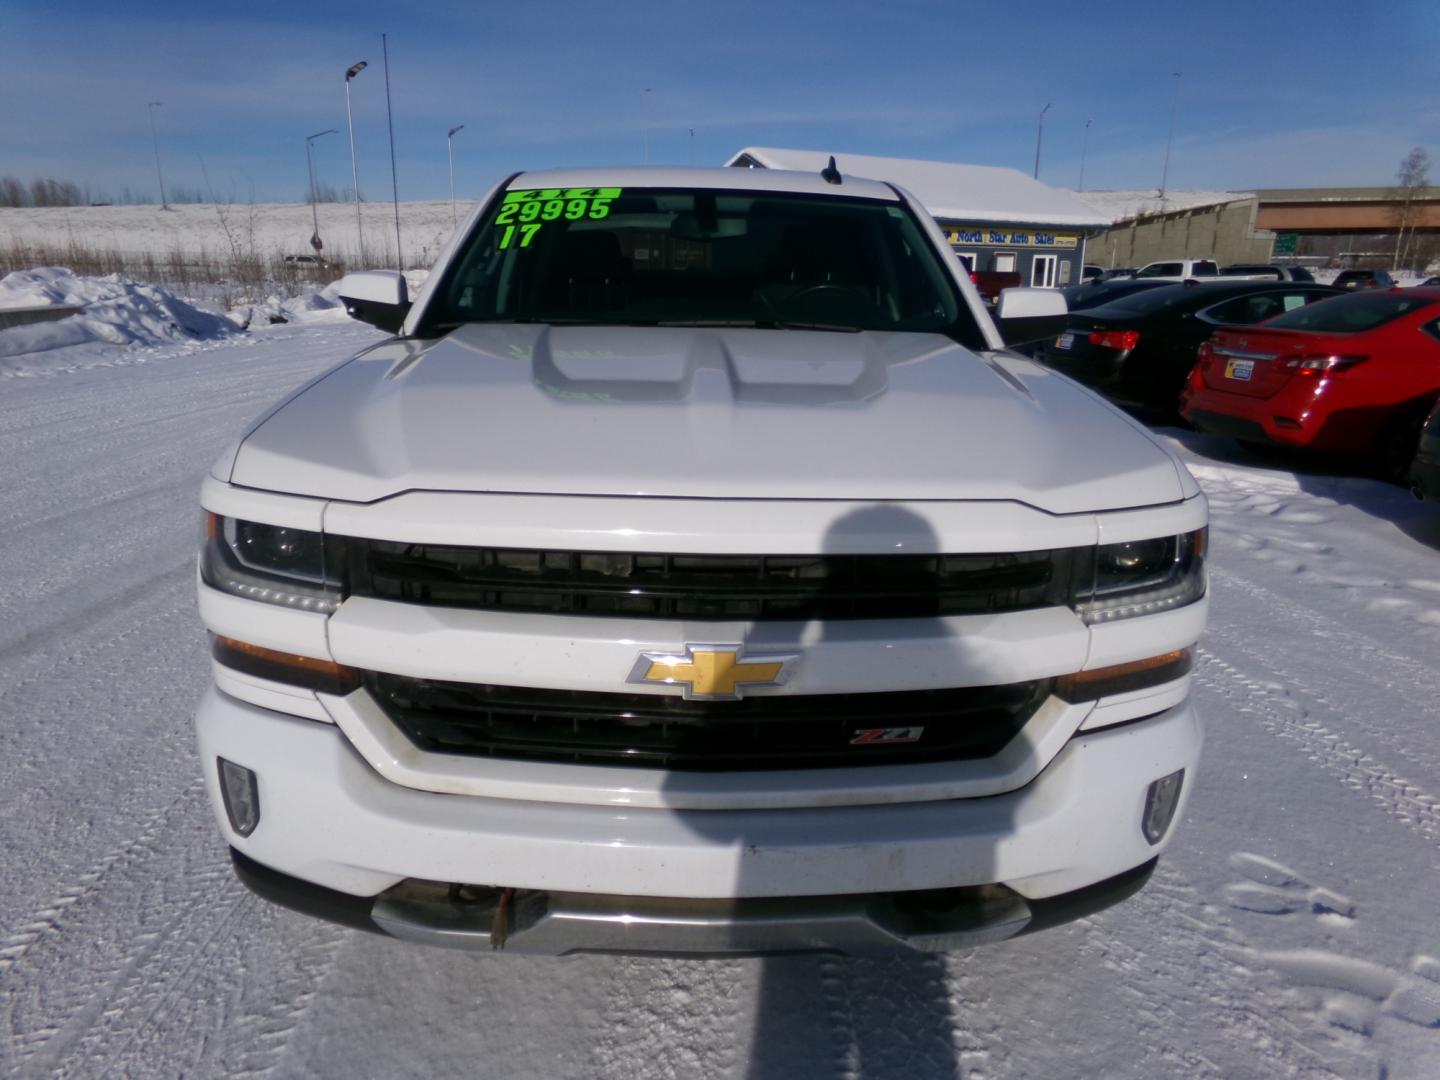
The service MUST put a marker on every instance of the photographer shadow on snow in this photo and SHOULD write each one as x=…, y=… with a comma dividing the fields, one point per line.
x=822, y=1014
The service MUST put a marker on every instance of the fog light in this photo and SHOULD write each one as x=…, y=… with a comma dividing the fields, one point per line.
x=240, y=792
x=1160, y=803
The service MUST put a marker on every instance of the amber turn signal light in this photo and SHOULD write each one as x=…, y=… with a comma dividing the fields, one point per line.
x=325, y=676
x=1124, y=678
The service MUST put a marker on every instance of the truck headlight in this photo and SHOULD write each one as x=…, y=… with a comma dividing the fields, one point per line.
x=273, y=564
x=1144, y=577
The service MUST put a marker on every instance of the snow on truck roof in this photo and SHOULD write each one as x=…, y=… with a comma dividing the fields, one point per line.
x=661, y=176
x=980, y=193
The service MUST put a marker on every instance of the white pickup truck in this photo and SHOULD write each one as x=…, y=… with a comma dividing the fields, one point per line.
x=695, y=571
x=1178, y=270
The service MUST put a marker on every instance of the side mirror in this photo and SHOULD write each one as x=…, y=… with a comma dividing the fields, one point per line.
x=1024, y=315
x=377, y=297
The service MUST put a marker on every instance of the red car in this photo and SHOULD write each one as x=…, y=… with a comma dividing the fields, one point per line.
x=1351, y=375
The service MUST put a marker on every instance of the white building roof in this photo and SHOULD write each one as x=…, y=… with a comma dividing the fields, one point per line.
x=978, y=193
x=1124, y=205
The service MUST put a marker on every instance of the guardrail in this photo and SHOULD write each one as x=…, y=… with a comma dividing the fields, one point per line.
x=21, y=316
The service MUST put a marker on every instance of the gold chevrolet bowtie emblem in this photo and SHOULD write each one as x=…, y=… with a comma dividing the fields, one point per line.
x=711, y=672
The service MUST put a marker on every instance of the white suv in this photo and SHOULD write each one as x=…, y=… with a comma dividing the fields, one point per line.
x=695, y=571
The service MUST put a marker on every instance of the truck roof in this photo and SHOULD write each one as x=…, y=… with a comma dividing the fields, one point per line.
x=728, y=179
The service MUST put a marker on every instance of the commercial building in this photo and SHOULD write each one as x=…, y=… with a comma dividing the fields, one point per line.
x=1365, y=227
x=995, y=218
x=1145, y=228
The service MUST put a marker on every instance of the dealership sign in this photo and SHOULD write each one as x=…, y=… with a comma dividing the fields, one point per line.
x=1013, y=238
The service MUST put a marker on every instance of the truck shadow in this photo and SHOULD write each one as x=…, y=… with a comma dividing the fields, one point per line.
x=1344, y=481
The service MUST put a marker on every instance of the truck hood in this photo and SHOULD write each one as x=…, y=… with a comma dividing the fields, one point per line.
x=704, y=413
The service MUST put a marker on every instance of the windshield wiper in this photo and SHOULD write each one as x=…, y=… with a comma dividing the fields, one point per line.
x=789, y=324
x=708, y=322
x=555, y=320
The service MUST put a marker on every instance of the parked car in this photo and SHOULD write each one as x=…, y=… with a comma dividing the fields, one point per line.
x=1274, y=273
x=1116, y=272
x=1141, y=346
x=1425, y=470
x=1355, y=375
x=1080, y=297
x=1090, y=271
x=1363, y=279
x=1179, y=269
x=749, y=601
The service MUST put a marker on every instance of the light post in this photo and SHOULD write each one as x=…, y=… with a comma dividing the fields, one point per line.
x=1084, y=145
x=450, y=149
x=350, y=73
x=310, y=162
x=1039, y=132
x=1174, y=100
x=645, y=110
x=155, y=139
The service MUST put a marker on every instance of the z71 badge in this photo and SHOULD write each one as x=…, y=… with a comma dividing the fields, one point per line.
x=877, y=736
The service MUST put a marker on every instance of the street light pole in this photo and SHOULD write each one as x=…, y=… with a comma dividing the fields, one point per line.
x=450, y=149
x=1084, y=145
x=155, y=139
x=310, y=163
x=350, y=73
x=1040, y=131
x=1174, y=100
x=645, y=108
x=394, y=179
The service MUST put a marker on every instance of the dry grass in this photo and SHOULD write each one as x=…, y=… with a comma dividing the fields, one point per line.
x=235, y=277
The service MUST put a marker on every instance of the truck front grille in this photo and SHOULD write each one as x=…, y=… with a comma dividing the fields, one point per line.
x=734, y=587
x=665, y=732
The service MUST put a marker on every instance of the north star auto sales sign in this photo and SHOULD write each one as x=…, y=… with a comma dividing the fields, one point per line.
x=1007, y=238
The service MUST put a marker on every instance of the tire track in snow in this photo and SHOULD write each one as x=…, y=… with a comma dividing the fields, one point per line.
x=1422, y=678
x=1201, y=974
x=1284, y=715
x=1352, y=661
x=123, y=627
x=51, y=921
x=46, y=921
x=185, y=970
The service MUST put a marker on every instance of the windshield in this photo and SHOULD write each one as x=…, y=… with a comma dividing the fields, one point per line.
x=1350, y=314
x=646, y=256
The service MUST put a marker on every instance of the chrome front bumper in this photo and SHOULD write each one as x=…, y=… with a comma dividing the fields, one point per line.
x=533, y=922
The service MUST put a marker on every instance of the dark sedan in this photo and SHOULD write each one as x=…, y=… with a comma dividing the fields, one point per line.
x=1092, y=294
x=1141, y=346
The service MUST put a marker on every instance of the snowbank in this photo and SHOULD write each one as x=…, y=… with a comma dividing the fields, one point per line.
x=115, y=311
x=312, y=305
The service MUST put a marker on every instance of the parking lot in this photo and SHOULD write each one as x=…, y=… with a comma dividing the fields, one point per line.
x=1291, y=930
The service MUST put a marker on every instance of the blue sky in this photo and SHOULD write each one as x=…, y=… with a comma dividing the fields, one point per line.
x=1270, y=94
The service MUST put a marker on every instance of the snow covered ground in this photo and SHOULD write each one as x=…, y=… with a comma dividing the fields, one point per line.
x=1293, y=931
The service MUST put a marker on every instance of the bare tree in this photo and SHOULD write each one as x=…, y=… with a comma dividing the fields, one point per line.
x=1413, y=177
